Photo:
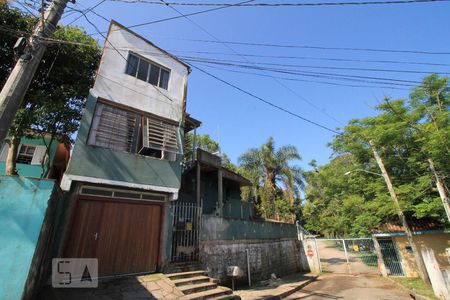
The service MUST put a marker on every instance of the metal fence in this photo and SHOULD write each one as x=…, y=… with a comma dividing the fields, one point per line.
x=186, y=232
x=349, y=256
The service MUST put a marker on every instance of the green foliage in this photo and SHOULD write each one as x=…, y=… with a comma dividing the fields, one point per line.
x=56, y=96
x=275, y=180
x=406, y=133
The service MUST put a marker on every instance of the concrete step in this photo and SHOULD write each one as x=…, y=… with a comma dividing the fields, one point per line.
x=181, y=275
x=183, y=267
x=191, y=280
x=227, y=297
x=199, y=287
x=209, y=294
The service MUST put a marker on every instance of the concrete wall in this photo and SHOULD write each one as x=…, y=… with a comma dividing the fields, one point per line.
x=438, y=242
x=113, y=84
x=273, y=248
x=26, y=217
x=31, y=170
x=94, y=162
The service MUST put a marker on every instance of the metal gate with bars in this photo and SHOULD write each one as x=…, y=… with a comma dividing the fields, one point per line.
x=186, y=232
x=350, y=256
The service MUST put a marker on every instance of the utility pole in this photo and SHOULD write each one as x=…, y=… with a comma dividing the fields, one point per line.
x=409, y=235
x=19, y=80
x=440, y=187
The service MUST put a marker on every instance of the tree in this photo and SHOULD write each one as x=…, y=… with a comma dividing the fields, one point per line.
x=56, y=96
x=270, y=170
x=407, y=133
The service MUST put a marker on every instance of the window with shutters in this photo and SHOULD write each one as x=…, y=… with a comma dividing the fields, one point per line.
x=146, y=70
x=118, y=129
x=160, y=139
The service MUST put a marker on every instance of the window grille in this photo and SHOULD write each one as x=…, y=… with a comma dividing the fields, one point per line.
x=121, y=130
x=114, y=128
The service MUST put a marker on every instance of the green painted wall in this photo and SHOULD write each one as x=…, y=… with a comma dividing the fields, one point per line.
x=216, y=228
x=23, y=205
x=30, y=170
x=92, y=161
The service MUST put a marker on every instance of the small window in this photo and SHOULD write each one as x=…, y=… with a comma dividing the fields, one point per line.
x=147, y=71
x=25, y=155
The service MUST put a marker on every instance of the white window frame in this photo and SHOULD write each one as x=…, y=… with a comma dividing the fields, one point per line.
x=151, y=64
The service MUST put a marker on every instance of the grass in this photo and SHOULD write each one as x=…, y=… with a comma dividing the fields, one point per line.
x=416, y=284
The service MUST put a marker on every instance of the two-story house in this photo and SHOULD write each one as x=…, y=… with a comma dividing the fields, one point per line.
x=126, y=168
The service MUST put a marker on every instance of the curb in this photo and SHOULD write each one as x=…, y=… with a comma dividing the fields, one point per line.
x=293, y=290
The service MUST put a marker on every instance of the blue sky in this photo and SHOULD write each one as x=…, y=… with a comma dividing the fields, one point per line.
x=240, y=122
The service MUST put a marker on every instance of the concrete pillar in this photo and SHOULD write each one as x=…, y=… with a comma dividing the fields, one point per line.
x=198, y=185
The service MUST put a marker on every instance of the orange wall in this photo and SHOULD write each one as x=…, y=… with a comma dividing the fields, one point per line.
x=437, y=241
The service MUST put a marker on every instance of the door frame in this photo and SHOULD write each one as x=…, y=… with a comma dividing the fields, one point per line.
x=75, y=214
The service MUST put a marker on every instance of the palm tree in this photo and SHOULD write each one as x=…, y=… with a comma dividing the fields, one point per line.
x=271, y=172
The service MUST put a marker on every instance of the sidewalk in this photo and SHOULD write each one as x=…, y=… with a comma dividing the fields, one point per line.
x=276, y=289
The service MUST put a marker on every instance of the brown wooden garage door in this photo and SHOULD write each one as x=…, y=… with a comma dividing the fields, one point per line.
x=123, y=235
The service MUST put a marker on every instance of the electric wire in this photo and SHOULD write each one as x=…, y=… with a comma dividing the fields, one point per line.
x=322, y=111
x=271, y=45
x=284, y=4
x=265, y=101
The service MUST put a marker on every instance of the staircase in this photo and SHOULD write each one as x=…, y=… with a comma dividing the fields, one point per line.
x=196, y=285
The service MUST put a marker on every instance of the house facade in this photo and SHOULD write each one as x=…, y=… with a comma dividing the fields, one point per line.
x=31, y=155
x=125, y=168
x=397, y=253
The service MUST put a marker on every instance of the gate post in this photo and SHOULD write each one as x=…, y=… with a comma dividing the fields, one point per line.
x=381, y=266
x=346, y=257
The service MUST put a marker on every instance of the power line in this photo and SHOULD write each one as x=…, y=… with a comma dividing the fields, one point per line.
x=304, y=80
x=90, y=9
x=206, y=59
x=265, y=101
x=276, y=80
x=309, y=73
x=284, y=4
x=333, y=76
x=314, y=47
x=314, y=58
x=178, y=17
